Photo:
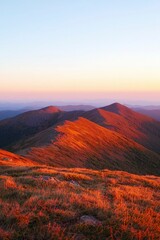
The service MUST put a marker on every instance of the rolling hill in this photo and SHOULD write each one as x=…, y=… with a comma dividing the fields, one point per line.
x=138, y=127
x=30, y=123
x=113, y=137
x=82, y=143
x=66, y=186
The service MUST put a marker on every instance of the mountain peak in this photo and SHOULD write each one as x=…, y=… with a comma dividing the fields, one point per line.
x=117, y=108
x=50, y=109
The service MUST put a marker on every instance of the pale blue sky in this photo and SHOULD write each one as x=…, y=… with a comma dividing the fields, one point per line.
x=79, y=46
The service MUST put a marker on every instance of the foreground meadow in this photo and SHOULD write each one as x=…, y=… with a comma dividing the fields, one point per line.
x=39, y=202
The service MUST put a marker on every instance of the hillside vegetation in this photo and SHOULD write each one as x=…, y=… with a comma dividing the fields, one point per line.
x=83, y=143
x=75, y=176
x=113, y=137
x=40, y=202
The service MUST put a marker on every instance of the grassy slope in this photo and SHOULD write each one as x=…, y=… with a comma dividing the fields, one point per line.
x=35, y=207
x=138, y=127
x=11, y=159
x=83, y=143
x=29, y=123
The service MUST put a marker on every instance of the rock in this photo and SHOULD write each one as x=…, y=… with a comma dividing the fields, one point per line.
x=80, y=237
x=34, y=176
x=7, y=159
x=46, y=178
x=90, y=220
x=74, y=183
x=55, y=179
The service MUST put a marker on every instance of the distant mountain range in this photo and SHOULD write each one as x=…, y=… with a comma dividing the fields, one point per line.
x=76, y=107
x=11, y=113
x=4, y=114
x=113, y=137
x=151, y=111
x=154, y=113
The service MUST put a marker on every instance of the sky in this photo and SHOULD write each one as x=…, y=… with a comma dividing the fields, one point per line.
x=80, y=50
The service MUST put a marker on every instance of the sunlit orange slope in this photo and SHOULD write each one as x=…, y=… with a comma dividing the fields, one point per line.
x=83, y=143
x=10, y=159
x=131, y=124
x=30, y=123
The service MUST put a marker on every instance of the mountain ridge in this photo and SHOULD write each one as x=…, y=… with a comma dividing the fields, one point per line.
x=77, y=145
x=113, y=137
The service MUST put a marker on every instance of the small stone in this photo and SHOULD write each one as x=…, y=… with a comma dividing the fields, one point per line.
x=90, y=220
x=6, y=159
x=46, y=178
x=80, y=237
x=54, y=179
x=74, y=183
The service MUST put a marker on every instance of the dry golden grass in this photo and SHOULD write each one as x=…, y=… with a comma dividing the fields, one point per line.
x=39, y=202
x=11, y=159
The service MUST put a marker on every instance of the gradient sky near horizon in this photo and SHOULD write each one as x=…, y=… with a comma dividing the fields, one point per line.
x=80, y=49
